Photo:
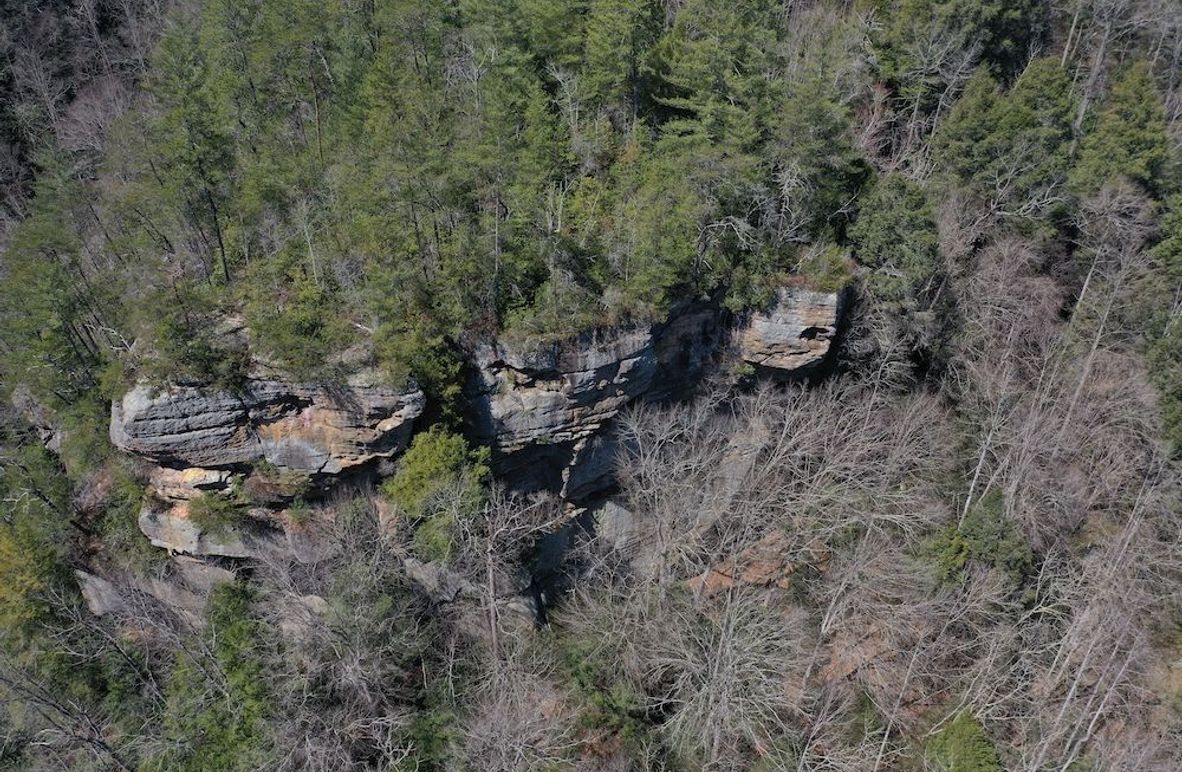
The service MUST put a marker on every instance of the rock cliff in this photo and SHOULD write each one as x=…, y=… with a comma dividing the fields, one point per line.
x=539, y=410
x=545, y=409
x=308, y=429
x=793, y=335
x=267, y=443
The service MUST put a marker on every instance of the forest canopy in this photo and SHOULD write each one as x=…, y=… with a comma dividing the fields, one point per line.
x=964, y=541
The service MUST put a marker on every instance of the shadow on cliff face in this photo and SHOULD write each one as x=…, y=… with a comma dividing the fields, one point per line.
x=688, y=351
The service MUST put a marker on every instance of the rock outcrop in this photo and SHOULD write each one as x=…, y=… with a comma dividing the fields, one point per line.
x=297, y=437
x=255, y=533
x=184, y=586
x=309, y=429
x=546, y=410
x=543, y=408
x=794, y=334
x=540, y=410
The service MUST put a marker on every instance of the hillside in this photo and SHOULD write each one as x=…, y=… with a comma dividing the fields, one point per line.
x=591, y=384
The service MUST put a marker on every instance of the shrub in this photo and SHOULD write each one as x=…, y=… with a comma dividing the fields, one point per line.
x=612, y=704
x=439, y=479
x=217, y=511
x=436, y=459
x=223, y=730
x=962, y=746
x=986, y=536
x=411, y=352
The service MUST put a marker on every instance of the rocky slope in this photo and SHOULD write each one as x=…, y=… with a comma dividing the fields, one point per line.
x=546, y=410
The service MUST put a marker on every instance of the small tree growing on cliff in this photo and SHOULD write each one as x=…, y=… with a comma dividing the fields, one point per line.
x=439, y=483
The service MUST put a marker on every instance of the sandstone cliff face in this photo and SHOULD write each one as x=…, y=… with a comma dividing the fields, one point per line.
x=543, y=410
x=538, y=410
x=203, y=439
x=302, y=428
x=794, y=334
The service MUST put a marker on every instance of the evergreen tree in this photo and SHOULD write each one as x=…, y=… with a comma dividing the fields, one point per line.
x=1005, y=30
x=1130, y=138
x=196, y=150
x=895, y=236
x=1011, y=149
x=618, y=33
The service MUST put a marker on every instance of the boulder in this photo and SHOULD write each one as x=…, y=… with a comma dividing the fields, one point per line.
x=101, y=596
x=200, y=575
x=173, y=529
x=258, y=533
x=793, y=335
x=616, y=528
x=184, y=589
x=309, y=429
x=186, y=484
x=444, y=586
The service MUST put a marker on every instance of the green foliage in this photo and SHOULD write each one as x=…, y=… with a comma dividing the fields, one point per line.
x=433, y=733
x=438, y=479
x=119, y=530
x=1130, y=138
x=216, y=512
x=1164, y=333
x=1165, y=367
x=184, y=342
x=617, y=34
x=429, y=359
x=962, y=746
x=436, y=458
x=433, y=537
x=987, y=537
x=895, y=236
x=610, y=703
x=208, y=728
x=814, y=152
x=827, y=268
x=47, y=308
x=192, y=138
x=293, y=316
x=1005, y=29
x=1011, y=149
x=707, y=72
x=34, y=500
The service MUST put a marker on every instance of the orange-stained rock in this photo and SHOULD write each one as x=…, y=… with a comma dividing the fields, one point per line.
x=306, y=428
x=763, y=564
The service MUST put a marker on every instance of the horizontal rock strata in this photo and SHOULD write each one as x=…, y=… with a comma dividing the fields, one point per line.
x=794, y=334
x=302, y=428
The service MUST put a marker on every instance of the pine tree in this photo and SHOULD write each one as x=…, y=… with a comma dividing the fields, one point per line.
x=1011, y=150
x=1130, y=138
x=618, y=33
x=196, y=148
